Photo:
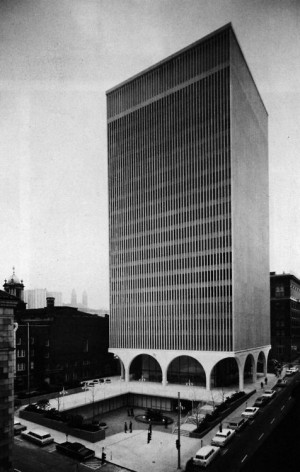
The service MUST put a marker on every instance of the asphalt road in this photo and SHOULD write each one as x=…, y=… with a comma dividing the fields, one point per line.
x=31, y=458
x=238, y=452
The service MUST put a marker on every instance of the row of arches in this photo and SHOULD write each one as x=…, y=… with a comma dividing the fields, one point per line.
x=232, y=371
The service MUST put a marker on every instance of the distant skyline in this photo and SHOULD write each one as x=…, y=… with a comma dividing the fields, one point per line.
x=57, y=60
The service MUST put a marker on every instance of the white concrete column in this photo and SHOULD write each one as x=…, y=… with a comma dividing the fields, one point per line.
x=126, y=374
x=241, y=376
x=208, y=382
x=164, y=376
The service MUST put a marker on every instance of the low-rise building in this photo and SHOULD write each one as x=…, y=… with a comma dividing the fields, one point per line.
x=59, y=346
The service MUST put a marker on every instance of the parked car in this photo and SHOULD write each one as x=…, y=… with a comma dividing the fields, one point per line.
x=269, y=394
x=206, y=455
x=18, y=427
x=291, y=371
x=261, y=401
x=223, y=437
x=75, y=450
x=281, y=383
x=108, y=381
x=38, y=436
x=250, y=412
x=238, y=423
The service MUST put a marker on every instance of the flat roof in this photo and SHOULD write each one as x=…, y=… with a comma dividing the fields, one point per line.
x=172, y=56
x=227, y=26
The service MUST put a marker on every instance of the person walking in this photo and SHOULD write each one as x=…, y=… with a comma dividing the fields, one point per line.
x=125, y=427
x=266, y=380
x=130, y=426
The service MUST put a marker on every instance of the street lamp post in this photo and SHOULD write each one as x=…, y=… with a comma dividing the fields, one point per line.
x=179, y=408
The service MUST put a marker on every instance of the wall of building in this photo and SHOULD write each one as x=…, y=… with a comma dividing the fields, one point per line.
x=250, y=208
x=6, y=383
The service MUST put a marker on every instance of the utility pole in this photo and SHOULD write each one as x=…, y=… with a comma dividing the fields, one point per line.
x=28, y=360
x=178, y=429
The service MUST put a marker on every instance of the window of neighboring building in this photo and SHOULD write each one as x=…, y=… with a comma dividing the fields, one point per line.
x=279, y=291
x=47, y=343
x=20, y=353
x=31, y=365
x=19, y=341
x=86, y=346
x=31, y=340
x=21, y=366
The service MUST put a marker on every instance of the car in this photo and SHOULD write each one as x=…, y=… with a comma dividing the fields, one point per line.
x=75, y=450
x=294, y=369
x=269, y=394
x=261, y=401
x=108, y=381
x=38, y=436
x=102, y=381
x=206, y=455
x=281, y=383
x=99, y=424
x=238, y=423
x=223, y=437
x=250, y=412
x=290, y=372
x=18, y=427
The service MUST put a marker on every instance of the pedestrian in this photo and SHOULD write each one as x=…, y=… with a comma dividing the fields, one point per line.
x=261, y=384
x=221, y=428
x=125, y=427
x=130, y=426
x=266, y=380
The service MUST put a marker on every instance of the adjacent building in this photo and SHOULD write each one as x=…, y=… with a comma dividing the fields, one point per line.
x=7, y=305
x=285, y=316
x=189, y=218
x=58, y=346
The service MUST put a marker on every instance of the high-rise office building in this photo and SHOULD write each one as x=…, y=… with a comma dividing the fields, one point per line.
x=188, y=216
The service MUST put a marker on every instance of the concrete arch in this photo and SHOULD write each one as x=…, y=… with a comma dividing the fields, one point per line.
x=185, y=372
x=146, y=367
x=261, y=364
x=207, y=359
x=227, y=376
x=251, y=365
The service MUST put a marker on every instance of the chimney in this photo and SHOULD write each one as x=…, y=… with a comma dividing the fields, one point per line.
x=50, y=302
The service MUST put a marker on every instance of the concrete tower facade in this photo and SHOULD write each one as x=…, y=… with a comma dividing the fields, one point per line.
x=188, y=211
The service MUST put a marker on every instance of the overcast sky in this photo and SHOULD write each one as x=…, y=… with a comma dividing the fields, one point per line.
x=57, y=59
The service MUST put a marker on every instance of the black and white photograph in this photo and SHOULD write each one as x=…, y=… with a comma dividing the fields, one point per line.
x=150, y=227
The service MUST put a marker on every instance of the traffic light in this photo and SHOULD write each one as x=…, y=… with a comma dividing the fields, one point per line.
x=103, y=457
x=149, y=436
x=177, y=444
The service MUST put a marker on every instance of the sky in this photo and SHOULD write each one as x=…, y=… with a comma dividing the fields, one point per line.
x=57, y=59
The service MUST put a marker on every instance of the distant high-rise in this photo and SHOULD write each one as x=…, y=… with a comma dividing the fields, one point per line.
x=73, y=298
x=188, y=216
x=84, y=299
x=35, y=298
